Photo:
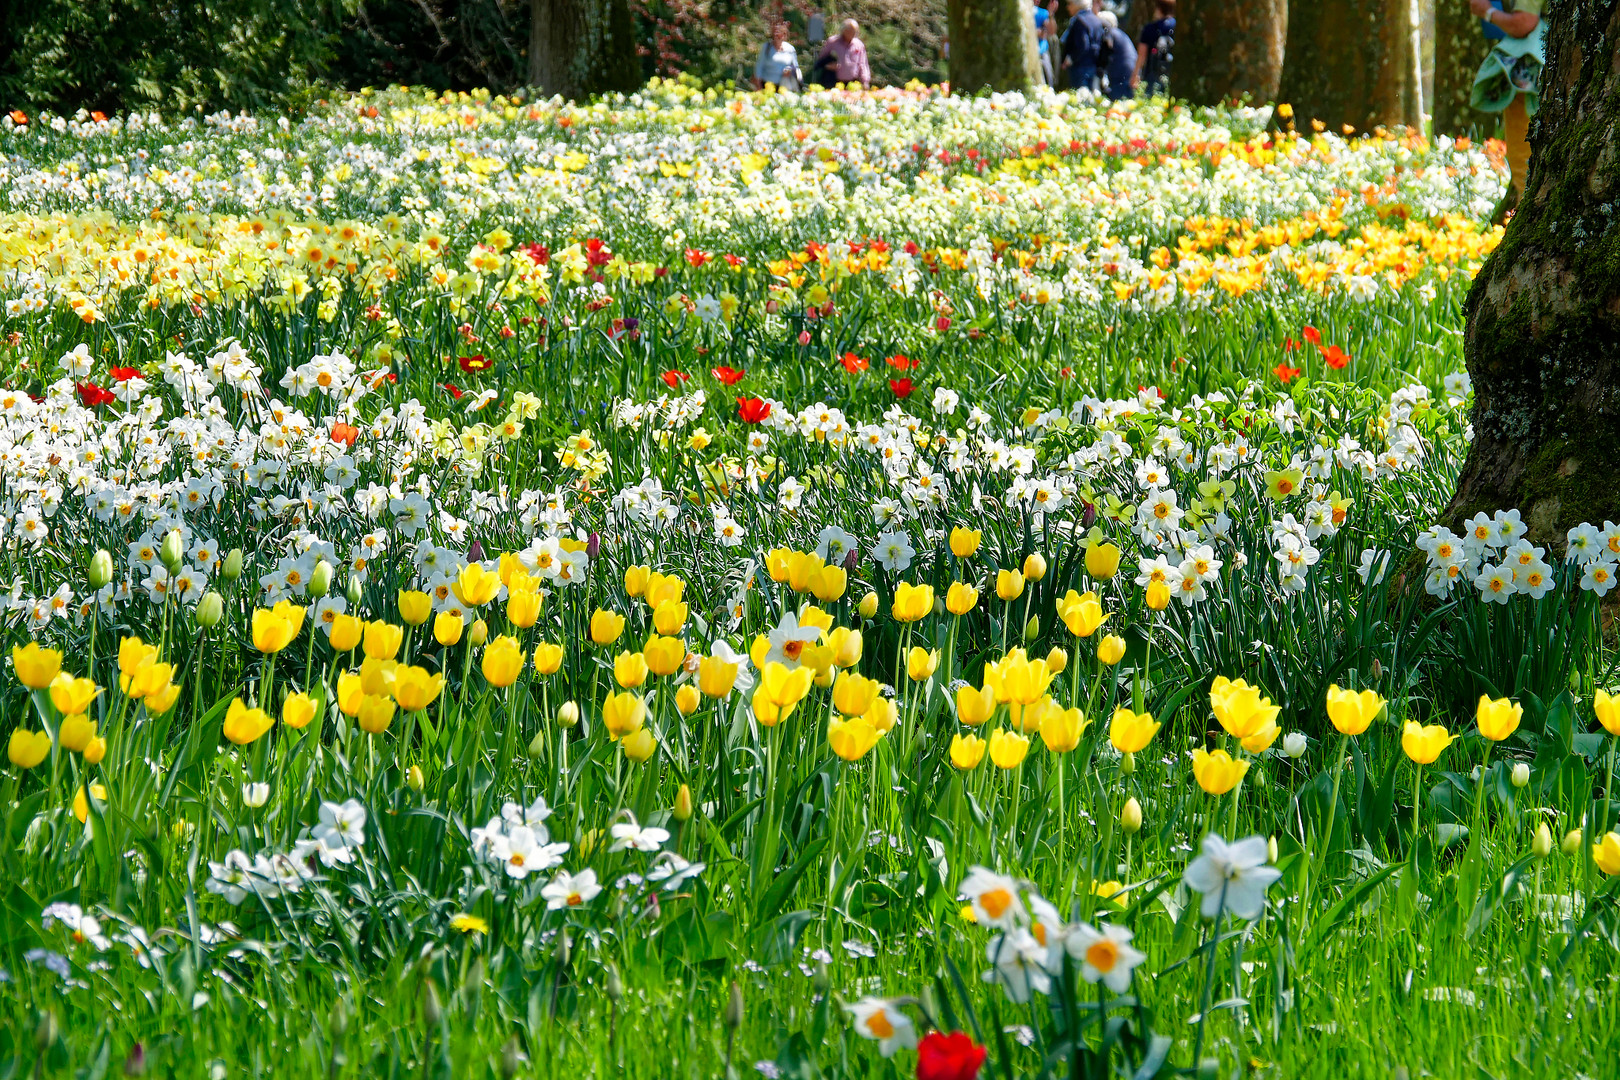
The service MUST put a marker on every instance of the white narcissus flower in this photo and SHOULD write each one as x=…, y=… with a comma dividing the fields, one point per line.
x=570, y=890
x=877, y=1019
x=1019, y=965
x=993, y=897
x=1233, y=877
x=1105, y=952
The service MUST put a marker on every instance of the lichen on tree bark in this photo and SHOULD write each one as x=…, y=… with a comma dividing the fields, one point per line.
x=1347, y=62
x=1224, y=49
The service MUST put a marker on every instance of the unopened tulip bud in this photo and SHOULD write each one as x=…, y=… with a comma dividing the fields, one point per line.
x=593, y=546
x=1032, y=629
x=354, y=591
x=1127, y=763
x=173, y=550
x=687, y=699
x=1057, y=660
x=511, y=1058
x=475, y=552
x=1542, y=844
x=568, y=715
x=413, y=778
x=46, y=1031
x=479, y=632
x=1271, y=850
x=338, y=1023
x=1294, y=744
x=432, y=1009
x=233, y=565
x=210, y=609
x=1377, y=670
x=99, y=574
x=1521, y=775
x=733, y=1018
x=683, y=804
x=1130, y=816
x=613, y=984
x=537, y=745
x=135, y=1061
x=1572, y=842
x=320, y=582
x=868, y=605
x=1034, y=566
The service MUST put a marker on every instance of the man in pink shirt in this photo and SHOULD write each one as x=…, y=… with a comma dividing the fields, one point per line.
x=843, y=58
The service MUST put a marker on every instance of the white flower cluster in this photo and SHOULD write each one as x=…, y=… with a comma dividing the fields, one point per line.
x=1495, y=557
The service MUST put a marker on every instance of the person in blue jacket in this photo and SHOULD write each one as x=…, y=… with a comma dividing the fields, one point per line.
x=1080, y=44
x=1117, y=58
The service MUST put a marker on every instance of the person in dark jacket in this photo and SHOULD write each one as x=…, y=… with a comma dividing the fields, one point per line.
x=1080, y=44
x=1153, y=51
x=1116, y=60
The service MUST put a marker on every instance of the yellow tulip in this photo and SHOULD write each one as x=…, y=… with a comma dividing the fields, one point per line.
x=503, y=661
x=1217, y=773
x=716, y=677
x=1018, y=679
x=350, y=692
x=606, y=626
x=447, y=627
x=1034, y=566
x=1240, y=708
x=1057, y=660
x=1498, y=719
x=1082, y=613
x=1260, y=741
x=547, y=658
x=635, y=580
x=414, y=607
x=298, y=710
x=382, y=640
x=974, y=707
x=81, y=805
x=346, y=631
x=1009, y=584
x=629, y=669
x=35, y=666
x=779, y=692
x=669, y=617
x=1102, y=561
x=475, y=586
x=71, y=695
x=1158, y=595
x=1029, y=717
x=478, y=633
x=244, y=725
x=133, y=653
x=814, y=616
x=847, y=645
x=376, y=713
x=622, y=714
x=964, y=542
x=377, y=676
x=28, y=748
x=1424, y=744
x=95, y=750
x=912, y=602
x=416, y=689
x=851, y=738
x=1606, y=854
x=1130, y=732
x=1352, y=712
x=828, y=583
x=661, y=587
x=639, y=745
x=1007, y=748
x=853, y=694
x=523, y=607
x=76, y=732
x=1607, y=707
x=1111, y=649
x=665, y=655
x=162, y=699
x=1062, y=728
x=921, y=663
x=687, y=700
x=960, y=598
x=882, y=714
x=868, y=606
x=967, y=751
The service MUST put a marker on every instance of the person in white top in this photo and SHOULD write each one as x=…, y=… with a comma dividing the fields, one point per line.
x=778, y=62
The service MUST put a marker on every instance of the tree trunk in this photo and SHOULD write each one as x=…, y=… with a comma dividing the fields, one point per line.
x=1459, y=49
x=993, y=46
x=1543, y=337
x=582, y=47
x=1226, y=49
x=1347, y=62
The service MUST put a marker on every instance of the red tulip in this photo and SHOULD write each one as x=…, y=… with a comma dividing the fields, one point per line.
x=93, y=395
x=345, y=433
x=728, y=376
x=753, y=410
x=901, y=387
x=953, y=1056
x=1285, y=373
x=1335, y=357
x=477, y=362
x=1312, y=335
x=124, y=374
x=673, y=378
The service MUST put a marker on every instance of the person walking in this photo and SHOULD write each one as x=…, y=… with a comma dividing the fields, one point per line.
x=1043, y=42
x=1508, y=80
x=1116, y=59
x=1080, y=42
x=843, y=59
x=778, y=62
x=1153, y=49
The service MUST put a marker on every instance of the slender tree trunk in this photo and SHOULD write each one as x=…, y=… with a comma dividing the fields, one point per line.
x=1459, y=49
x=582, y=47
x=1347, y=62
x=1412, y=103
x=993, y=45
x=1543, y=338
x=1226, y=49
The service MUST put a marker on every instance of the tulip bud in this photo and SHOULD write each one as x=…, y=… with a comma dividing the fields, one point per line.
x=1127, y=763
x=210, y=609
x=355, y=590
x=1035, y=566
x=173, y=550
x=99, y=574
x=1542, y=844
x=683, y=804
x=593, y=546
x=613, y=984
x=432, y=1010
x=1294, y=744
x=46, y=1030
x=868, y=605
x=320, y=582
x=339, y=1021
x=135, y=1062
x=1271, y=850
x=1377, y=670
x=687, y=699
x=475, y=552
x=568, y=715
x=733, y=1018
x=537, y=745
x=233, y=565
x=479, y=632
x=1572, y=843
x=1032, y=629
x=1057, y=660
x=1521, y=775
x=413, y=778
x=511, y=1058
x=1130, y=816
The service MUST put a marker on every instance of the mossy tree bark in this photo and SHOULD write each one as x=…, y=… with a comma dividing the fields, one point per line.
x=1459, y=49
x=1226, y=49
x=993, y=46
x=582, y=47
x=1347, y=62
x=1543, y=337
